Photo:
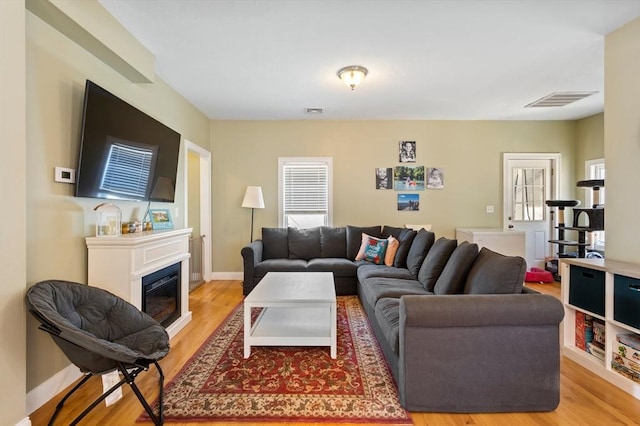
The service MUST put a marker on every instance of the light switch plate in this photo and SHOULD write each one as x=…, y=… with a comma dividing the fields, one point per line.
x=490, y=209
x=65, y=175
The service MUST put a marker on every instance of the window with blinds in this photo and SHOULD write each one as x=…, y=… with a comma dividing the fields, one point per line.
x=305, y=192
x=128, y=169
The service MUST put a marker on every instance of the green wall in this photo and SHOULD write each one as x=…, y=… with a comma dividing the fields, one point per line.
x=13, y=223
x=470, y=152
x=57, y=221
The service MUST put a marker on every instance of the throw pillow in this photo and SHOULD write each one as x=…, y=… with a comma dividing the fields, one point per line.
x=275, y=243
x=495, y=273
x=372, y=249
x=454, y=274
x=419, y=248
x=354, y=238
x=304, y=243
x=364, y=240
x=435, y=262
x=405, y=238
x=375, y=250
x=392, y=248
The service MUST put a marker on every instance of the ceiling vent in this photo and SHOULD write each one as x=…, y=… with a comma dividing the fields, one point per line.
x=313, y=110
x=559, y=99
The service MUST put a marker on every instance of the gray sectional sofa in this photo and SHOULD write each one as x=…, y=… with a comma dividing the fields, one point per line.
x=458, y=329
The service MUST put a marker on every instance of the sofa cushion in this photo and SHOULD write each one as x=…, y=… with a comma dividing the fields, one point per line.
x=279, y=265
x=435, y=262
x=405, y=238
x=388, y=231
x=275, y=243
x=387, y=313
x=354, y=238
x=340, y=267
x=375, y=288
x=495, y=273
x=304, y=243
x=419, y=248
x=454, y=274
x=333, y=242
x=369, y=270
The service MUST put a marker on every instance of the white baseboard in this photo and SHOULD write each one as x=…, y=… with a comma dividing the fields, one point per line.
x=24, y=422
x=50, y=388
x=227, y=275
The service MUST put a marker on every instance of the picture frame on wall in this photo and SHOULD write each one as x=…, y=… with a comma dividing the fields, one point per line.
x=408, y=202
x=408, y=178
x=161, y=219
x=435, y=178
x=384, y=178
x=407, y=152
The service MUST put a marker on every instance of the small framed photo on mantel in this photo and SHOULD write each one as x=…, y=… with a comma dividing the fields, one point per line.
x=161, y=219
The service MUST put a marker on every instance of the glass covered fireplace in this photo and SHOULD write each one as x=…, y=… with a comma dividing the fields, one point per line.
x=161, y=294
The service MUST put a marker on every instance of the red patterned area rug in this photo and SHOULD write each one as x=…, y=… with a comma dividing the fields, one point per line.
x=287, y=384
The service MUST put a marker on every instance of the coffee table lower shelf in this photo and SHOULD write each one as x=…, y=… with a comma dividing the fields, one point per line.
x=291, y=326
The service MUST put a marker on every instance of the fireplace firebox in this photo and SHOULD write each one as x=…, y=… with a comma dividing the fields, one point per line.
x=161, y=294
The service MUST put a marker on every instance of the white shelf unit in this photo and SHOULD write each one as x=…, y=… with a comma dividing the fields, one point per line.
x=603, y=369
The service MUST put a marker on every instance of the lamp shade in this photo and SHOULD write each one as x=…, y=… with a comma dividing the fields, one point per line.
x=253, y=198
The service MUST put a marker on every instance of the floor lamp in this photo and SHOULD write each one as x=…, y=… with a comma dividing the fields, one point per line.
x=253, y=199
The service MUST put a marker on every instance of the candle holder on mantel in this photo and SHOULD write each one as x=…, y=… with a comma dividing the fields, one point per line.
x=108, y=220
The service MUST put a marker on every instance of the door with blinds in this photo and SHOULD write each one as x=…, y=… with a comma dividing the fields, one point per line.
x=304, y=192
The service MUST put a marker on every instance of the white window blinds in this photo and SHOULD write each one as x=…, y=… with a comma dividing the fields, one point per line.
x=306, y=188
x=305, y=191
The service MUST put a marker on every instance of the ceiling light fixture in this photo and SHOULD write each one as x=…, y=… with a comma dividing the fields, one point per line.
x=352, y=75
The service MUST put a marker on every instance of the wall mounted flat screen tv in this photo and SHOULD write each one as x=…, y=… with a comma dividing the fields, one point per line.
x=124, y=153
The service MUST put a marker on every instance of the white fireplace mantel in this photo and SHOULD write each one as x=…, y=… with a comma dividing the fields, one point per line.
x=117, y=264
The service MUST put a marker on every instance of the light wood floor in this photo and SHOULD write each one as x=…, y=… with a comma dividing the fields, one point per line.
x=586, y=399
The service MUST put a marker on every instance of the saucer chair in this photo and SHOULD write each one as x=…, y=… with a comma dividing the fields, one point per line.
x=99, y=332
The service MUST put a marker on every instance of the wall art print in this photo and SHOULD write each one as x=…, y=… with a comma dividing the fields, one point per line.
x=408, y=202
x=384, y=178
x=407, y=151
x=435, y=178
x=408, y=178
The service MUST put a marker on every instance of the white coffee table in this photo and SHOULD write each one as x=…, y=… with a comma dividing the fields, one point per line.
x=299, y=310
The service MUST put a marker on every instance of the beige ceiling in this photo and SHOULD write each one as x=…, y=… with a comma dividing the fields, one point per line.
x=430, y=59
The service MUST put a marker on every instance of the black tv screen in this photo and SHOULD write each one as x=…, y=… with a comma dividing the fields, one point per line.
x=124, y=153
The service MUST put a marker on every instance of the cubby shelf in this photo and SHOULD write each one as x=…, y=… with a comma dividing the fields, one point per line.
x=612, y=327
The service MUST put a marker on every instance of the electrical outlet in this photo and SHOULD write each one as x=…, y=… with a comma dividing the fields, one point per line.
x=490, y=209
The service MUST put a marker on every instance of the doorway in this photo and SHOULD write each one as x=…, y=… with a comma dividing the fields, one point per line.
x=530, y=179
x=197, y=181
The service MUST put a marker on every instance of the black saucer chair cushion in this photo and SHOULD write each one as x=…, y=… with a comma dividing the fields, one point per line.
x=106, y=327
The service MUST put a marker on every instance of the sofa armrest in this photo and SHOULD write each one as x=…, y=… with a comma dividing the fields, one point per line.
x=480, y=353
x=251, y=256
x=479, y=310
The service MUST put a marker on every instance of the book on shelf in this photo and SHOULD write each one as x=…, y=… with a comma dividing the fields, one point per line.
x=596, y=349
x=629, y=339
x=626, y=372
x=584, y=330
x=598, y=331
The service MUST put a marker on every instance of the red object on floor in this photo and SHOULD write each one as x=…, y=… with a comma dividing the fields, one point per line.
x=537, y=275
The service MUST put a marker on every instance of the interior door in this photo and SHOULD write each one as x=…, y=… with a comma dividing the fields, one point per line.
x=528, y=183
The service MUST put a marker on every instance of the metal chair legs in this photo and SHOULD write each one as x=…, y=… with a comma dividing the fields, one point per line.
x=129, y=378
